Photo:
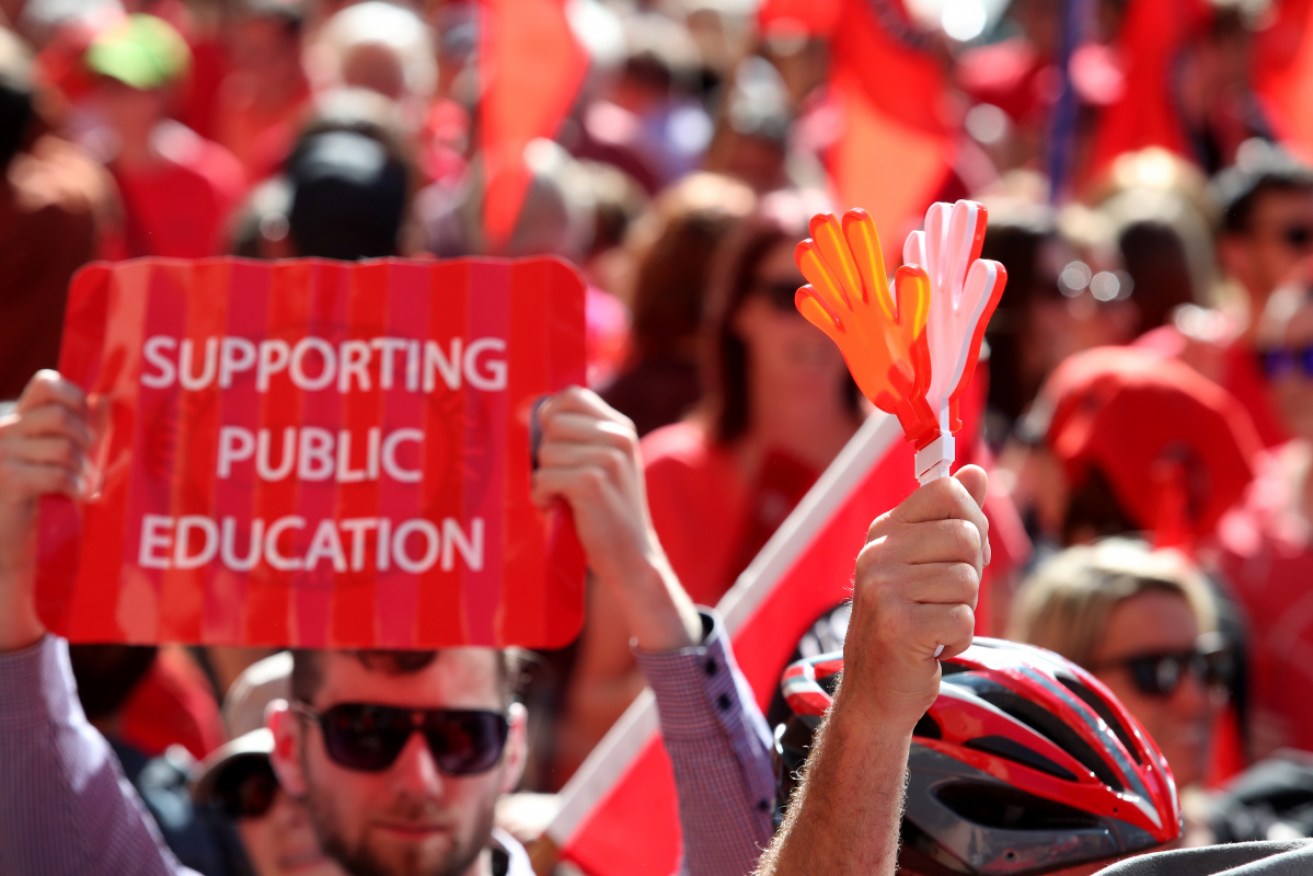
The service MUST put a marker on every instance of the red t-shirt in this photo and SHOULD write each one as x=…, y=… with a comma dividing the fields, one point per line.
x=711, y=518
x=180, y=206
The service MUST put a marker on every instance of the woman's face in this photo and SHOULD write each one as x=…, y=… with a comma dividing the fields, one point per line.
x=787, y=356
x=282, y=842
x=1179, y=716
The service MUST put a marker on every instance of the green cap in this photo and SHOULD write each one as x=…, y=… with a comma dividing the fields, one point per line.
x=141, y=51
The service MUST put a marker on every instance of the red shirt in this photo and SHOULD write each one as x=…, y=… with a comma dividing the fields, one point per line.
x=180, y=206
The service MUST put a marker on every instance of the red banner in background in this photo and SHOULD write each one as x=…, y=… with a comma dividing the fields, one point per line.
x=317, y=454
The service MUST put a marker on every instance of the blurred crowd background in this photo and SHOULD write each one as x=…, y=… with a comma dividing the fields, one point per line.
x=1144, y=402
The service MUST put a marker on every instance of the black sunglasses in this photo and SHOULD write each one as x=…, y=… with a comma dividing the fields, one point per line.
x=1297, y=236
x=779, y=293
x=1281, y=361
x=246, y=788
x=368, y=738
x=1160, y=674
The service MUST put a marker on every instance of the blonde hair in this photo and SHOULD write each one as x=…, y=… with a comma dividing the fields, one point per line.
x=1066, y=603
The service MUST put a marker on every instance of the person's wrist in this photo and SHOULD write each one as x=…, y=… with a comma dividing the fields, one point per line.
x=661, y=616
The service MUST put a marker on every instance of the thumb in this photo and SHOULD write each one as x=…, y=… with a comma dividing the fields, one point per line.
x=973, y=477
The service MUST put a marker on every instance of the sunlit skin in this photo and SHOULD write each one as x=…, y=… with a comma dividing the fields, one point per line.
x=410, y=819
x=1261, y=259
x=795, y=371
x=1155, y=622
x=282, y=842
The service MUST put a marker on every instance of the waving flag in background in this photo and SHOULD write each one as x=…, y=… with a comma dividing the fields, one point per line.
x=1152, y=37
x=1284, y=74
x=895, y=152
x=532, y=67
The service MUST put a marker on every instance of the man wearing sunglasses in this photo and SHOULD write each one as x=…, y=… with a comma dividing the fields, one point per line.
x=399, y=758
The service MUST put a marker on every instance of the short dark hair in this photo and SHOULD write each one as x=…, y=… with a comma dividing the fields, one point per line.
x=1260, y=169
x=308, y=668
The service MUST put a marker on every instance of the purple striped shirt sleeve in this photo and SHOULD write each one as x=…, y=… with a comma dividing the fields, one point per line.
x=719, y=748
x=65, y=807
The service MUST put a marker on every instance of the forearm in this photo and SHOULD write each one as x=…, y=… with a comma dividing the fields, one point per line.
x=64, y=807
x=19, y=625
x=659, y=615
x=719, y=750
x=845, y=816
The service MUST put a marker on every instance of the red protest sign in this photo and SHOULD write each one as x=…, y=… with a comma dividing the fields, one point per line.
x=317, y=454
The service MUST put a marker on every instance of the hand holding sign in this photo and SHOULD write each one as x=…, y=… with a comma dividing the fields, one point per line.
x=882, y=336
x=44, y=450
x=964, y=291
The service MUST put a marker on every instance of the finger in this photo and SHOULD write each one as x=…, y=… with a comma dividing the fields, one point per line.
x=579, y=400
x=577, y=486
x=951, y=626
x=914, y=249
x=936, y=233
x=825, y=285
x=833, y=248
x=864, y=242
x=570, y=427
x=945, y=583
x=931, y=542
x=60, y=452
x=965, y=237
x=48, y=387
x=942, y=499
x=913, y=288
x=611, y=462
x=32, y=480
x=55, y=420
x=819, y=313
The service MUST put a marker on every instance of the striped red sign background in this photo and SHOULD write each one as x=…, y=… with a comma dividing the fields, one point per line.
x=161, y=450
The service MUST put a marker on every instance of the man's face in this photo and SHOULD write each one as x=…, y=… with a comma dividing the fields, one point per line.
x=1280, y=235
x=409, y=819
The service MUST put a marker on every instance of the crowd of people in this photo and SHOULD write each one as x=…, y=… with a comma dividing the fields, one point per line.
x=1139, y=498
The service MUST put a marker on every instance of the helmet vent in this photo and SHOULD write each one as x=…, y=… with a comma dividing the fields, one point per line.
x=1101, y=709
x=1046, y=724
x=927, y=728
x=1012, y=750
x=1000, y=807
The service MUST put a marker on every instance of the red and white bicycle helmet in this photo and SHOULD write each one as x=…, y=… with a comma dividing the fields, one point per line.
x=1025, y=763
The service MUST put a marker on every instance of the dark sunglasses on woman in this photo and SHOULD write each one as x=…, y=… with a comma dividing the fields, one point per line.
x=369, y=738
x=1160, y=673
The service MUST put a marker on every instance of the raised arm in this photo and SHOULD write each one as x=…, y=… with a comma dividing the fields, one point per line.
x=915, y=589
x=715, y=736
x=64, y=807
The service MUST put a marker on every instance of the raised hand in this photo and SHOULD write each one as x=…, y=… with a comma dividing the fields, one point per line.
x=881, y=335
x=44, y=450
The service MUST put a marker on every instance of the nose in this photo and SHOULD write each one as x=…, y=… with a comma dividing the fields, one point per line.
x=415, y=770
x=1192, y=696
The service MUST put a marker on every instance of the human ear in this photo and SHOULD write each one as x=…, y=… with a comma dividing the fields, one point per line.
x=289, y=736
x=517, y=747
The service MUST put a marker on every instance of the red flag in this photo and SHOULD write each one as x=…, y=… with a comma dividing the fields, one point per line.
x=532, y=67
x=1284, y=74
x=619, y=814
x=1152, y=37
x=896, y=150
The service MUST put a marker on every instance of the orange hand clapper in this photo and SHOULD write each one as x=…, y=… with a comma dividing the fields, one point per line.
x=882, y=336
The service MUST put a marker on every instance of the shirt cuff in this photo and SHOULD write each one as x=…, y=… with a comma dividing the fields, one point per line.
x=696, y=688
x=36, y=685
